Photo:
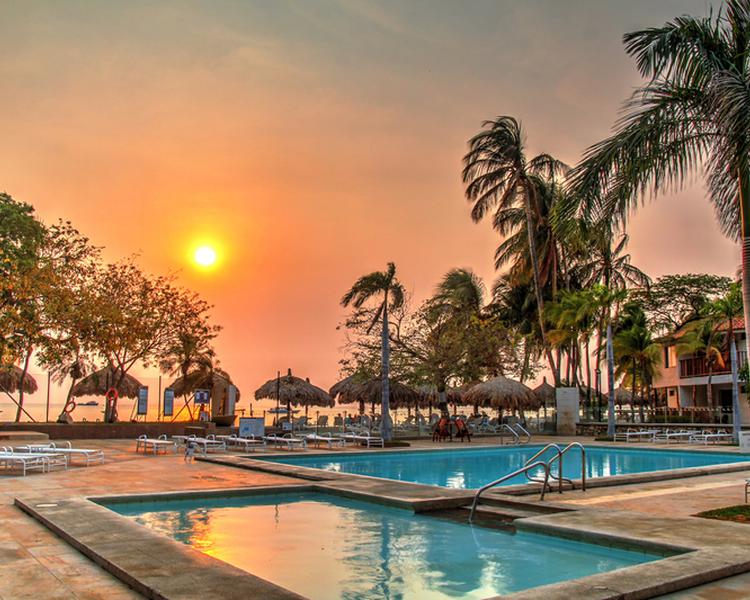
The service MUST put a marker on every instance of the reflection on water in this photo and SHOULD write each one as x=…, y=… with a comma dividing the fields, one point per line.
x=326, y=547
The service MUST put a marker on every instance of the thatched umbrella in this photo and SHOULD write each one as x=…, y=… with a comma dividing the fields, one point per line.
x=197, y=380
x=623, y=395
x=545, y=393
x=99, y=382
x=502, y=393
x=10, y=380
x=293, y=390
x=348, y=391
x=351, y=390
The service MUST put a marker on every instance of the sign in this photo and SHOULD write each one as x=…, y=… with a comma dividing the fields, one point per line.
x=231, y=400
x=168, y=402
x=142, y=400
x=202, y=396
x=252, y=427
x=567, y=399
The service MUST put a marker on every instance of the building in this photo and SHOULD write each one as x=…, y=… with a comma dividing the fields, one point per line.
x=682, y=380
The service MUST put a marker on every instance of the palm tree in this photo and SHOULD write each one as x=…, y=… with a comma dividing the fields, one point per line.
x=498, y=175
x=692, y=116
x=188, y=353
x=703, y=339
x=365, y=288
x=724, y=311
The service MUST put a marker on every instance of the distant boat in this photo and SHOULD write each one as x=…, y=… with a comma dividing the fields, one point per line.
x=89, y=403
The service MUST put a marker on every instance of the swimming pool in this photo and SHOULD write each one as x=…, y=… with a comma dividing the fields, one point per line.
x=328, y=547
x=472, y=468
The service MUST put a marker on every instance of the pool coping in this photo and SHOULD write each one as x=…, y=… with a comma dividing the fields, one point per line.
x=710, y=551
x=255, y=462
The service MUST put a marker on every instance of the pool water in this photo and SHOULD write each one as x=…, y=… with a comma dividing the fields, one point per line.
x=327, y=547
x=470, y=469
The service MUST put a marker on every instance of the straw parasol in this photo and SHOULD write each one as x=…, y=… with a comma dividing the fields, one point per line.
x=197, y=380
x=102, y=380
x=351, y=389
x=10, y=380
x=545, y=393
x=623, y=395
x=294, y=390
x=348, y=391
x=502, y=393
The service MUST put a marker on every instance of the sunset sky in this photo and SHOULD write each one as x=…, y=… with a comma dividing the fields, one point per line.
x=311, y=142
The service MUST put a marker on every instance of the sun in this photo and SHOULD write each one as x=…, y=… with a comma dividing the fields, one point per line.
x=204, y=256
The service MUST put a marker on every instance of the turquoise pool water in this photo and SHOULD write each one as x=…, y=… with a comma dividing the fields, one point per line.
x=469, y=469
x=326, y=547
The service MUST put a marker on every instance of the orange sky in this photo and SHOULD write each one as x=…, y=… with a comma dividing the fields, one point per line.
x=314, y=141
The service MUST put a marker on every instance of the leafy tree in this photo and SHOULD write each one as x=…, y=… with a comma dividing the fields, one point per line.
x=498, y=176
x=692, y=116
x=675, y=299
x=365, y=289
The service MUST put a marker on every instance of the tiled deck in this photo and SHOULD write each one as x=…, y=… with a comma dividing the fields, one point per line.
x=34, y=563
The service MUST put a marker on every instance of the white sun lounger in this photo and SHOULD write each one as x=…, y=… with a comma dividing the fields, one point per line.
x=711, y=438
x=677, y=436
x=640, y=435
x=287, y=440
x=28, y=460
x=241, y=442
x=155, y=444
x=88, y=455
x=331, y=441
x=363, y=438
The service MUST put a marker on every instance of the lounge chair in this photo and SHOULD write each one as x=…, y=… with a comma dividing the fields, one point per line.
x=706, y=438
x=363, y=438
x=242, y=442
x=155, y=444
x=28, y=460
x=88, y=455
x=638, y=435
x=287, y=440
x=683, y=435
x=330, y=440
x=207, y=443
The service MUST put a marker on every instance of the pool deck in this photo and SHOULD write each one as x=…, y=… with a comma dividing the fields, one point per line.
x=36, y=563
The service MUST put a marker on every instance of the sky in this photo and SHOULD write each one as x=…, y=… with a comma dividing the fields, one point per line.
x=311, y=142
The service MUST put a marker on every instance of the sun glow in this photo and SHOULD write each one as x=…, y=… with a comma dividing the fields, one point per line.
x=205, y=256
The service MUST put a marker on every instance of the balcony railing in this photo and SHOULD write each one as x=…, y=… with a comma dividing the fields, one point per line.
x=696, y=366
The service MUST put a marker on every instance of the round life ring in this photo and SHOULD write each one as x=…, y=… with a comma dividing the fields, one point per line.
x=111, y=394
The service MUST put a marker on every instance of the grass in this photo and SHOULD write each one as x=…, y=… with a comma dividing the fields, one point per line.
x=739, y=513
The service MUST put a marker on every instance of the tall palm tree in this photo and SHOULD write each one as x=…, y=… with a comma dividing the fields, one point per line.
x=188, y=353
x=692, y=116
x=498, y=175
x=364, y=289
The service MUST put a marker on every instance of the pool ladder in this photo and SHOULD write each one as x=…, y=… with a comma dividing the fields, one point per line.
x=532, y=464
x=516, y=430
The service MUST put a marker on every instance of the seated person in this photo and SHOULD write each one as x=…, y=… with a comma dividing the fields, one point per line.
x=442, y=430
x=462, y=430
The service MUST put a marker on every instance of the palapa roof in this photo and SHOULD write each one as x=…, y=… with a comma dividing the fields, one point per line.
x=350, y=390
x=545, y=392
x=10, y=380
x=501, y=392
x=294, y=390
x=623, y=394
x=100, y=381
x=197, y=380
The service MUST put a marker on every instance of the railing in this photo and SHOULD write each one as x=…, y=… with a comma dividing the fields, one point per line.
x=513, y=432
x=541, y=452
x=523, y=431
x=697, y=366
x=515, y=473
x=560, y=468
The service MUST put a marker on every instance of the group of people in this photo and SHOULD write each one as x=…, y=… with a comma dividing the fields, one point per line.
x=444, y=429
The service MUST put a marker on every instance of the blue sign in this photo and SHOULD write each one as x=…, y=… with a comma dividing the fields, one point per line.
x=202, y=396
x=143, y=400
x=168, y=402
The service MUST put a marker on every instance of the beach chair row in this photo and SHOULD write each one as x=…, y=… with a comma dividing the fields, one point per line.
x=691, y=436
x=45, y=457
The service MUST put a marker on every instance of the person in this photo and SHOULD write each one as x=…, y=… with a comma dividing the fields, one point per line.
x=442, y=430
x=462, y=431
x=189, y=451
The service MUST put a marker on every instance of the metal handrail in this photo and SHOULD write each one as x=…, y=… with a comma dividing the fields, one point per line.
x=583, y=464
x=549, y=462
x=515, y=473
x=504, y=426
x=524, y=431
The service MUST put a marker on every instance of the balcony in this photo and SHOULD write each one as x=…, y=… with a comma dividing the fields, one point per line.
x=695, y=366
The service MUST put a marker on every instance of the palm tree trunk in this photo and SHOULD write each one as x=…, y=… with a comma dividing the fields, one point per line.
x=386, y=427
x=530, y=228
x=526, y=358
x=736, y=421
x=21, y=384
x=610, y=382
x=632, y=396
x=588, y=375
